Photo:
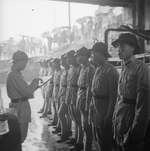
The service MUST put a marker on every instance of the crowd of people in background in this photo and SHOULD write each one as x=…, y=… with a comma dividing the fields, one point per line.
x=87, y=94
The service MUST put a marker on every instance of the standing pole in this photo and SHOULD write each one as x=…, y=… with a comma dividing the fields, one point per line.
x=69, y=20
x=69, y=14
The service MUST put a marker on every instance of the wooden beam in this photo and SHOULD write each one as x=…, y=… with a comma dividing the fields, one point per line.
x=139, y=18
x=123, y=3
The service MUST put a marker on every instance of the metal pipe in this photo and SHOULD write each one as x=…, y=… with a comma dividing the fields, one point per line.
x=107, y=31
x=124, y=28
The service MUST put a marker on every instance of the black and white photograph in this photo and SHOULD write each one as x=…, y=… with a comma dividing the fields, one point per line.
x=74, y=75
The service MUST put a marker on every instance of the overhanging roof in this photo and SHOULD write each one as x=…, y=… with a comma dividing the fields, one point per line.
x=102, y=2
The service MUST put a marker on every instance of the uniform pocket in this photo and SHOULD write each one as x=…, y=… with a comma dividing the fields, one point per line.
x=131, y=80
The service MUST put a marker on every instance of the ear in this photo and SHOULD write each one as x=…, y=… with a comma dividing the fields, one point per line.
x=131, y=48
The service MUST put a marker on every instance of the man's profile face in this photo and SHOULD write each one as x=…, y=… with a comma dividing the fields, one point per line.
x=125, y=51
x=64, y=63
x=94, y=57
x=71, y=60
x=97, y=57
x=56, y=65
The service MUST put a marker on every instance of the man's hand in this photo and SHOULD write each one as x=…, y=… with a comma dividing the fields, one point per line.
x=35, y=83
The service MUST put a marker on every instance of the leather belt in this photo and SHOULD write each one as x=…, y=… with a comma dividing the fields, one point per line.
x=19, y=100
x=129, y=101
x=74, y=86
x=100, y=97
x=64, y=86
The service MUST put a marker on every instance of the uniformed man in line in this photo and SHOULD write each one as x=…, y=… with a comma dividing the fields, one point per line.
x=131, y=111
x=41, y=68
x=19, y=91
x=44, y=67
x=104, y=94
x=48, y=90
x=11, y=141
x=50, y=86
x=44, y=88
x=71, y=93
x=84, y=96
x=62, y=95
x=56, y=102
x=41, y=73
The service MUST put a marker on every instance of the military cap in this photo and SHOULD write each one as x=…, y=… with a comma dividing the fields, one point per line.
x=101, y=48
x=63, y=57
x=56, y=60
x=50, y=60
x=71, y=54
x=19, y=55
x=126, y=38
x=83, y=52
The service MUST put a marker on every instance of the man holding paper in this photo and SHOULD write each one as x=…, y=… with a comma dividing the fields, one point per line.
x=19, y=91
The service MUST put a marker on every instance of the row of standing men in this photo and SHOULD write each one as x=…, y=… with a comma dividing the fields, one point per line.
x=110, y=109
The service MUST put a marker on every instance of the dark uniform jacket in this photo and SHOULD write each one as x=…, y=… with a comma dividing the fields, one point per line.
x=72, y=87
x=131, y=110
x=84, y=84
x=104, y=91
x=63, y=85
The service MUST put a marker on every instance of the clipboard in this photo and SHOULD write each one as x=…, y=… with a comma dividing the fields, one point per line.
x=44, y=83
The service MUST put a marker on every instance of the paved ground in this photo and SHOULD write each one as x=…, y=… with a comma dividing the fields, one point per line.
x=39, y=137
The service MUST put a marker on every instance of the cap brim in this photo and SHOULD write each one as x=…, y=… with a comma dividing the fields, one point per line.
x=11, y=61
x=116, y=43
x=76, y=54
x=108, y=55
x=90, y=50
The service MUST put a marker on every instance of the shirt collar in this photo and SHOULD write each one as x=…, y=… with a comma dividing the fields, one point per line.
x=85, y=65
x=129, y=62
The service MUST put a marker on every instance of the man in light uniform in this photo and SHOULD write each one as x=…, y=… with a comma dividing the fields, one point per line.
x=48, y=91
x=44, y=88
x=72, y=88
x=104, y=94
x=56, y=102
x=19, y=91
x=84, y=96
x=131, y=111
x=62, y=95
